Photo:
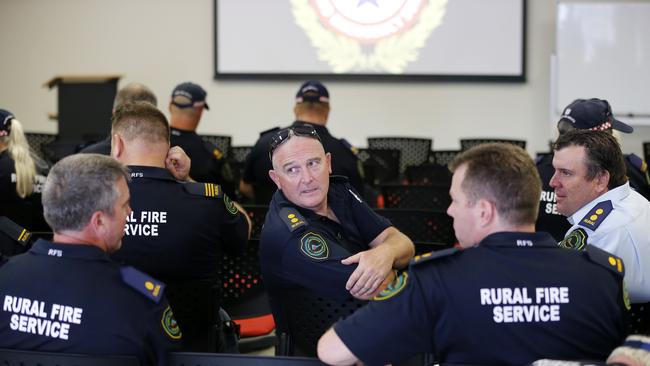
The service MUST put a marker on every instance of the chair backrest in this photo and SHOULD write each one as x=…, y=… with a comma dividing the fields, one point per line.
x=214, y=359
x=380, y=165
x=10, y=357
x=305, y=318
x=257, y=214
x=196, y=305
x=239, y=153
x=222, y=142
x=37, y=141
x=468, y=143
x=414, y=151
x=639, y=319
x=432, y=197
x=442, y=157
x=428, y=174
x=424, y=226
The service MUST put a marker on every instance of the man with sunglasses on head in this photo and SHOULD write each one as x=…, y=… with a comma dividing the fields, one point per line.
x=312, y=109
x=319, y=237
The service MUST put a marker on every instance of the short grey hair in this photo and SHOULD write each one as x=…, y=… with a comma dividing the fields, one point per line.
x=77, y=187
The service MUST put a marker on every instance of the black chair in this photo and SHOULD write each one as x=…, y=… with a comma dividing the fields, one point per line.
x=646, y=151
x=38, y=142
x=222, y=142
x=257, y=214
x=305, y=318
x=239, y=153
x=195, y=304
x=236, y=163
x=244, y=297
x=414, y=151
x=468, y=143
x=423, y=226
x=9, y=357
x=432, y=197
x=639, y=319
x=212, y=359
x=380, y=165
x=428, y=174
x=442, y=157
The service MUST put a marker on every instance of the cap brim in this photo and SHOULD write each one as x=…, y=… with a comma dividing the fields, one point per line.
x=620, y=126
x=206, y=106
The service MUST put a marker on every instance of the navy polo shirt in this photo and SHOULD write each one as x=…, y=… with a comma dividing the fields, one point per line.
x=308, y=255
x=179, y=231
x=206, y=158
x=74, y=299
x=515, y=298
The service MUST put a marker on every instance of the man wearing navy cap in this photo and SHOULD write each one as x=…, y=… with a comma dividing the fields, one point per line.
x=186, y=108
x=585, y=114
x=312, y=108
x=594, y=193
x=67, y=295
x=510, y=296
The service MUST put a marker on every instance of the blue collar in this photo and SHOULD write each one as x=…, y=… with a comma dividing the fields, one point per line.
x=138, y=171
x=518, y=240
x=84, y=251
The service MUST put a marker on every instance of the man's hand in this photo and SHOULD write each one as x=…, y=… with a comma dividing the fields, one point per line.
x=374, y=266
x=178, y=163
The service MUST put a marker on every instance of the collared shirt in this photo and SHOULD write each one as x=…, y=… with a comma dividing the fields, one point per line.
x=513, y=299
x=623, y=232
x=258, y=164
x=72, y=298
x=178, y=231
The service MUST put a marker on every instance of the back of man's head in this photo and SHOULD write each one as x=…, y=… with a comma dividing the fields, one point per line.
x=140, y=121
x=602, y=153
x=505, y=175
x=134, y=92
x=312, y=102
x=79, y=185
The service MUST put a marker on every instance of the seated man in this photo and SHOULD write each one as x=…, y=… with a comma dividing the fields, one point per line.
x=176, y=231
x=509, y=297
x=67, y=295
x=319, y=237
x=594, y=193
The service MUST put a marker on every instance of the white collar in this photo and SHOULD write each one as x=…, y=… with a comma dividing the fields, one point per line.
x=613, y=195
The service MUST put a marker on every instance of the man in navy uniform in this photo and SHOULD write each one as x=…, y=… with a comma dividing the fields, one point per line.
x=594, y=193
x=509, y=297
x=67, y=295
x=312, y=108
x=176, y=231
x=584, y=114
x=319, y=237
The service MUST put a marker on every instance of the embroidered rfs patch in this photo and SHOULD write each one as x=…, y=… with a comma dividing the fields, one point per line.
x=230, y=206
x=393, y=288
x=314, y=246
x=577, y=240
x=169, y=324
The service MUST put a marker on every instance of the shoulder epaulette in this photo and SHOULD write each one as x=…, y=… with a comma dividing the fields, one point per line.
x=597, y=215
x=292, y=218
x=605, y=259
x=426, y=257
x=217, y=153
x=14, y=231
x=143, y=283
x=348, y=145
x=203, y=189
x=638, y=163
x=269, y=130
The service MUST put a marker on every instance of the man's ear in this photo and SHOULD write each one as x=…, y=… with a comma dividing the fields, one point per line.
x=328, y=158
x=274, y=177
x=487, y=212
x=602, y=181
x=117, y=146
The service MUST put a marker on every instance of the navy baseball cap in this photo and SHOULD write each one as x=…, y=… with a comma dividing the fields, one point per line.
x=188, y=95
x=5, y=122
x=312, y=91
x=593, y=114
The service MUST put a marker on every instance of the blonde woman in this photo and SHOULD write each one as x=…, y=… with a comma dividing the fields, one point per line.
x=21, y=178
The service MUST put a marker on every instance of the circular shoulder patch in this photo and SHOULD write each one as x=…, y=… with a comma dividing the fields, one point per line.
x=393, y=288
x=169, y=324
x=314, y=246
x=576, y=240
x=230, y=206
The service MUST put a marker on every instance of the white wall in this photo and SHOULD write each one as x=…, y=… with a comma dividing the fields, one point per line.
x=164, y=42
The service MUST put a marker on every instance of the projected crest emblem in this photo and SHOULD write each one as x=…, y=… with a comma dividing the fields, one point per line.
x=368, y=35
